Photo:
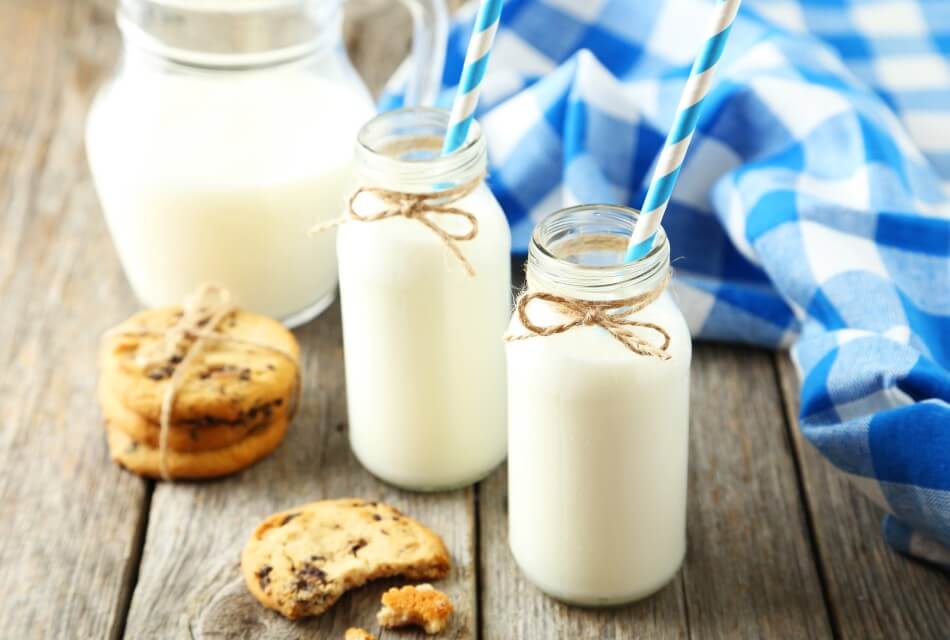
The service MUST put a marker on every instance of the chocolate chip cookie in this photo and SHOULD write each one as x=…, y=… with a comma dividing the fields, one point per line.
x=144, y=460
x=228, y=380
x=194, y=435
x=299, y=562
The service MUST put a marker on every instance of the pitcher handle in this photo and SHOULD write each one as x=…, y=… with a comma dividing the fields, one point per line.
x=430, y=33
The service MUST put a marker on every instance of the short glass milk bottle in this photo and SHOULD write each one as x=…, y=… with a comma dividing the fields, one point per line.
x=227, y=132
x=598, y=415
x=425, y=289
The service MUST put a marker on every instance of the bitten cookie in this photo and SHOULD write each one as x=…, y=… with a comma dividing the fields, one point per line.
x=226, y=381
x=299, y=562
x=145, y=460
x=195, y=435
x=420, y=605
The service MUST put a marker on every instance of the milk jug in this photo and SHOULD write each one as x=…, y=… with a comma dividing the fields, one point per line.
x=225, y=133
x=598, y=359
x=425, y=290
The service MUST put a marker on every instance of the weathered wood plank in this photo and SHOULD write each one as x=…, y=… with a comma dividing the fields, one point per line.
x=873, y=592
x=748, y=572
x=190, y=585
x=71, y=519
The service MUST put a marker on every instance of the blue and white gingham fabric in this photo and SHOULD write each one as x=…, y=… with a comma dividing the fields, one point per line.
x=812, y=209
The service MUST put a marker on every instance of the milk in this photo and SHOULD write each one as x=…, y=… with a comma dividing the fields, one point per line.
x=218, y=178
x=597, y=459
x=425, y=363
x=425, y=369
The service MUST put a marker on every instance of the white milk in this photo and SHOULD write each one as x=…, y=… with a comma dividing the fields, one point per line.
x=597, y=456
x=425, y=367
x=218, y=177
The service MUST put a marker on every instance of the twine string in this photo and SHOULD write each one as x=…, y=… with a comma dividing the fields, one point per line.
x=422, y=207
x=202, y=312
x=612, y=315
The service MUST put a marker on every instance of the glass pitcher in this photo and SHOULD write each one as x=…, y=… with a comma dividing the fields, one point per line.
x=226, y=132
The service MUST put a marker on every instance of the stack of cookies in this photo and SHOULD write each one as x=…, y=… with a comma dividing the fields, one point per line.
x=230, y=380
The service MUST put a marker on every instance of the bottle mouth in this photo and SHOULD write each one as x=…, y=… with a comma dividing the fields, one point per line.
x=583, y=248
x=404, y=147
x=228, y=34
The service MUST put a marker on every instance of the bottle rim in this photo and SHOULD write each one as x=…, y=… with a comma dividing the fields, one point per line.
x=400, y=150
x=251, y=34
x=579, y=251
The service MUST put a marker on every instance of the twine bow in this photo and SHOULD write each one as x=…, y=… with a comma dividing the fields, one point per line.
x=202, y=312
x=611, y=315
x=421, y=207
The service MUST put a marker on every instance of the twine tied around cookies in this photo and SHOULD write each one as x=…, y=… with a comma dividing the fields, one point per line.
x=421, y=207
x=612, y=315
x=201, y=314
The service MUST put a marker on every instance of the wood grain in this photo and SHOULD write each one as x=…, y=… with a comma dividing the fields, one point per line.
x=873, y=591
x=71, y=519
x=748, y=572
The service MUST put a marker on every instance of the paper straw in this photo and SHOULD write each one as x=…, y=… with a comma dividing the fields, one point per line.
x=476, y=61
x=677, y=141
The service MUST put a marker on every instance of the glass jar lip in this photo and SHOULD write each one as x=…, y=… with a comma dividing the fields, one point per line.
x=378, y=137
x=154, y=27
x=617, y=223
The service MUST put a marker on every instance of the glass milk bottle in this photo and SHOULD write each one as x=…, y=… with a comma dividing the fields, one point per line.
x=598, y=413
x=424, y=314
x=226, y=132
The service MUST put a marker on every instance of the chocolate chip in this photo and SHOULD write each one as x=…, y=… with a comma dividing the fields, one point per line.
x=175, y=359
x=312, y=573
x=263, y=575
x=278, y=402
x=377, y=517
x=288, y=518
x=161, y=373
x=245, y=375
x=317, y=558
x=358, y=545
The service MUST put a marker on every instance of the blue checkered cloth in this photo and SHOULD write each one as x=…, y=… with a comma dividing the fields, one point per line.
x=812, y=209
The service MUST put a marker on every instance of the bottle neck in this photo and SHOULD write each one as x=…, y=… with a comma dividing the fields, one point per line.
x=400, y=151
x=229, y=34
x=579, y=253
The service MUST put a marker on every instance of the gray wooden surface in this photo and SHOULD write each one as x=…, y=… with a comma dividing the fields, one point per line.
x=779, y=546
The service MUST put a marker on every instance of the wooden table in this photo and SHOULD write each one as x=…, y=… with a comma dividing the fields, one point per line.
x=779, y=546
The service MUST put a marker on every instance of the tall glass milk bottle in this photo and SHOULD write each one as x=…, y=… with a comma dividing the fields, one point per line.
x=425, y=296
x=225, y=133
x=598, y=413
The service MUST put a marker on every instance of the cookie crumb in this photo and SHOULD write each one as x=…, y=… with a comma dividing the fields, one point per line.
x=420, y=605
x=355, y=633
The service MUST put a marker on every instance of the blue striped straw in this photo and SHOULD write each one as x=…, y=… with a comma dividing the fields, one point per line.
x=687, y=113
x=476, y=61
